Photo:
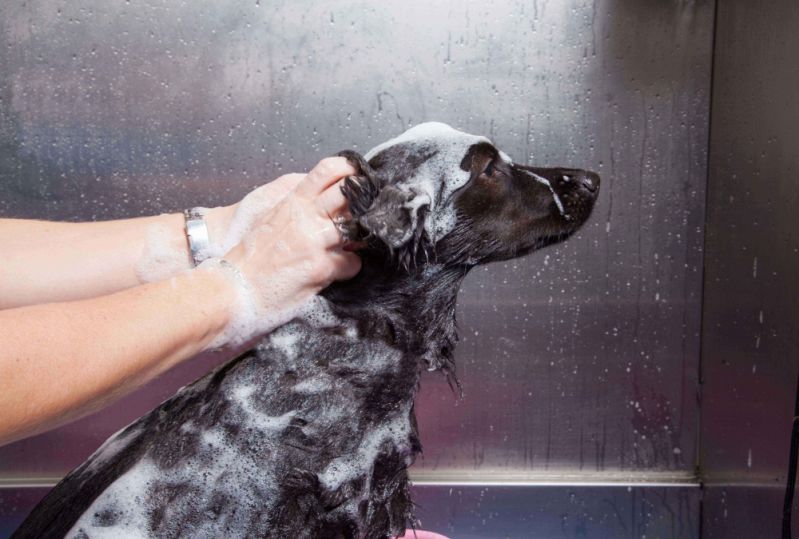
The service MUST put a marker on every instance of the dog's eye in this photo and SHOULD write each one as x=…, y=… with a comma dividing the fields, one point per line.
x=489, y=170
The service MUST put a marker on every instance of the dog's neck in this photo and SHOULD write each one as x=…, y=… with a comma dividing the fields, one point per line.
x=410, y=309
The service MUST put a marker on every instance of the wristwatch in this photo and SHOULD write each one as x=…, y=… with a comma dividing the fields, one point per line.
x=196, y=234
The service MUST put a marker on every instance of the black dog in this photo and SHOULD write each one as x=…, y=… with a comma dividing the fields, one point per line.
x=311, y=433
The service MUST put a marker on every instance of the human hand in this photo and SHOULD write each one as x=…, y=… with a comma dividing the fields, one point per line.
x=290, y=249
x=228, y=225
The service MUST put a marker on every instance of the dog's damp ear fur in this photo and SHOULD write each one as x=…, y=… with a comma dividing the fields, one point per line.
x=396, y=216
x=383, y=212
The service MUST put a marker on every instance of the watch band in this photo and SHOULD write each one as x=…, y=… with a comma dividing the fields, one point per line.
x=196, y=234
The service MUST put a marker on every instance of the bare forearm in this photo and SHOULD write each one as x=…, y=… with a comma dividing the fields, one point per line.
x=48, y=262
x=61, y=361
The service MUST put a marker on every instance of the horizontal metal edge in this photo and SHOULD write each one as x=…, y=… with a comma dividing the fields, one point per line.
x=492, y=478
x=576, y=484
x=29, y=482
x=532, y=478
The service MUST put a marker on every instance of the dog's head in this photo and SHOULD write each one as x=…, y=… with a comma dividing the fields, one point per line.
x=438, y=194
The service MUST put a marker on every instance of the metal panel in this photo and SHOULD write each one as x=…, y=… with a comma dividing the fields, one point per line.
x=751, y=318
x=579, y=359
x=513, y=512
x=742, y=511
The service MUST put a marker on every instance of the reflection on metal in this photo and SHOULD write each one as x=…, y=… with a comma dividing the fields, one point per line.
x=555, y=478
x=565, y=511
x=515, y=512
x=581, y=359
x=750, y=342
x=744, y=511
x=421, y=478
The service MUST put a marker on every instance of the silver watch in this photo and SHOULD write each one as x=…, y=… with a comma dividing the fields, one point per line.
x=196, y=234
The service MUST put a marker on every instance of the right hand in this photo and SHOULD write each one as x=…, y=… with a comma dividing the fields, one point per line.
x=293, y=249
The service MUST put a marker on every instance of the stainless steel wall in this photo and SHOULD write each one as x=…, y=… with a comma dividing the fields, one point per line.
x=751, y=308
x=579, y=361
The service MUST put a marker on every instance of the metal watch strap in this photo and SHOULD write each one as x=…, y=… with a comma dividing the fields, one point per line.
x=196, y=234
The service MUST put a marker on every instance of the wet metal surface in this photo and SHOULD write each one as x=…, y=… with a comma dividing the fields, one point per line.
x=513, y=512
x=580, y=358
x=751, y=313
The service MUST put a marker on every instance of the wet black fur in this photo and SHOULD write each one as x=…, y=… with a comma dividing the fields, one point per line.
x=403, y=305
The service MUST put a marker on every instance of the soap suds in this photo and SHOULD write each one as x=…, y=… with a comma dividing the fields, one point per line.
x=451, y=146
x=247, y=215
x=253, y=313
x=394, y=431
x=242, y=395
x=218, y=468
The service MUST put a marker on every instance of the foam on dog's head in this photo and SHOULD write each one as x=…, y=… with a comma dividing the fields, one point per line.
x=438, y=177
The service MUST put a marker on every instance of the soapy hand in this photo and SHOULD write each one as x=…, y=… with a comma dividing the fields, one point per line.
x=285, y=249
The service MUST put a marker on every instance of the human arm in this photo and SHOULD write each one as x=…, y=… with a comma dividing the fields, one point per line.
x=61, y=361
x=44, y=261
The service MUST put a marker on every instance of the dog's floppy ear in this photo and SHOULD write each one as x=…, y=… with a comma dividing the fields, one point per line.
x=390, y=213
x=396, y=216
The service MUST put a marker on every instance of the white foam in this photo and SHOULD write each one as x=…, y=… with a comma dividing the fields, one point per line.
x=123, y=497
x=161, y=257
x=505, y=157
x=242, y=396
x=452, y=146
x=255, y=310
x=234, y=474
x=248, y=212
x=286, y=342
x=395, y=431
x=318, y=384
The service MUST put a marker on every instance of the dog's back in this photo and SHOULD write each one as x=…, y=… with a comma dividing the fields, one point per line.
x=309, y=435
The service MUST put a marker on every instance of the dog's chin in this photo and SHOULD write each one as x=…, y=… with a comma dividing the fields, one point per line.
x=574, y=216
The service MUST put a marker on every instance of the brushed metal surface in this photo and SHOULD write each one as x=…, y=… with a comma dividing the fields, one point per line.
x=581, y=358
x=742, y=511
x=750, y=333
x=511, y=512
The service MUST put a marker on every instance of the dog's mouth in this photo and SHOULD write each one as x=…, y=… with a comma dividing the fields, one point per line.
x=574, y=191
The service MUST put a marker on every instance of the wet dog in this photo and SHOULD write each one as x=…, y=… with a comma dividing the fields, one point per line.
x=310, y=434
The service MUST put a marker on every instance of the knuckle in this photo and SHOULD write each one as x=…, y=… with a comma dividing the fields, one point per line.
x=330, y=166
x=291, y=176
x=330, y=162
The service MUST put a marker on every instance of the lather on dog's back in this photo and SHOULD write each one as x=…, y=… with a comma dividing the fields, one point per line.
x=310, y=433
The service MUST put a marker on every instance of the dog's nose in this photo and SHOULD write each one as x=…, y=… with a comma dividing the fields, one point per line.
x=590, y=181
x=577, y=178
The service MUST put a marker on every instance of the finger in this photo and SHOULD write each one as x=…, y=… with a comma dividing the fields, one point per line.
x=332, y=201
x=345, y=265
x=323, y=175
x=327, y=233
x=354, y=245
x=288, y=181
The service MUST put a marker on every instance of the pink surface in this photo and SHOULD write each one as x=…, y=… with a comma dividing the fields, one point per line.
x=420, y=534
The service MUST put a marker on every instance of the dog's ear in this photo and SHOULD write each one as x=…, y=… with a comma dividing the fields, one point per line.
x=396, y=216
x=392, y=214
